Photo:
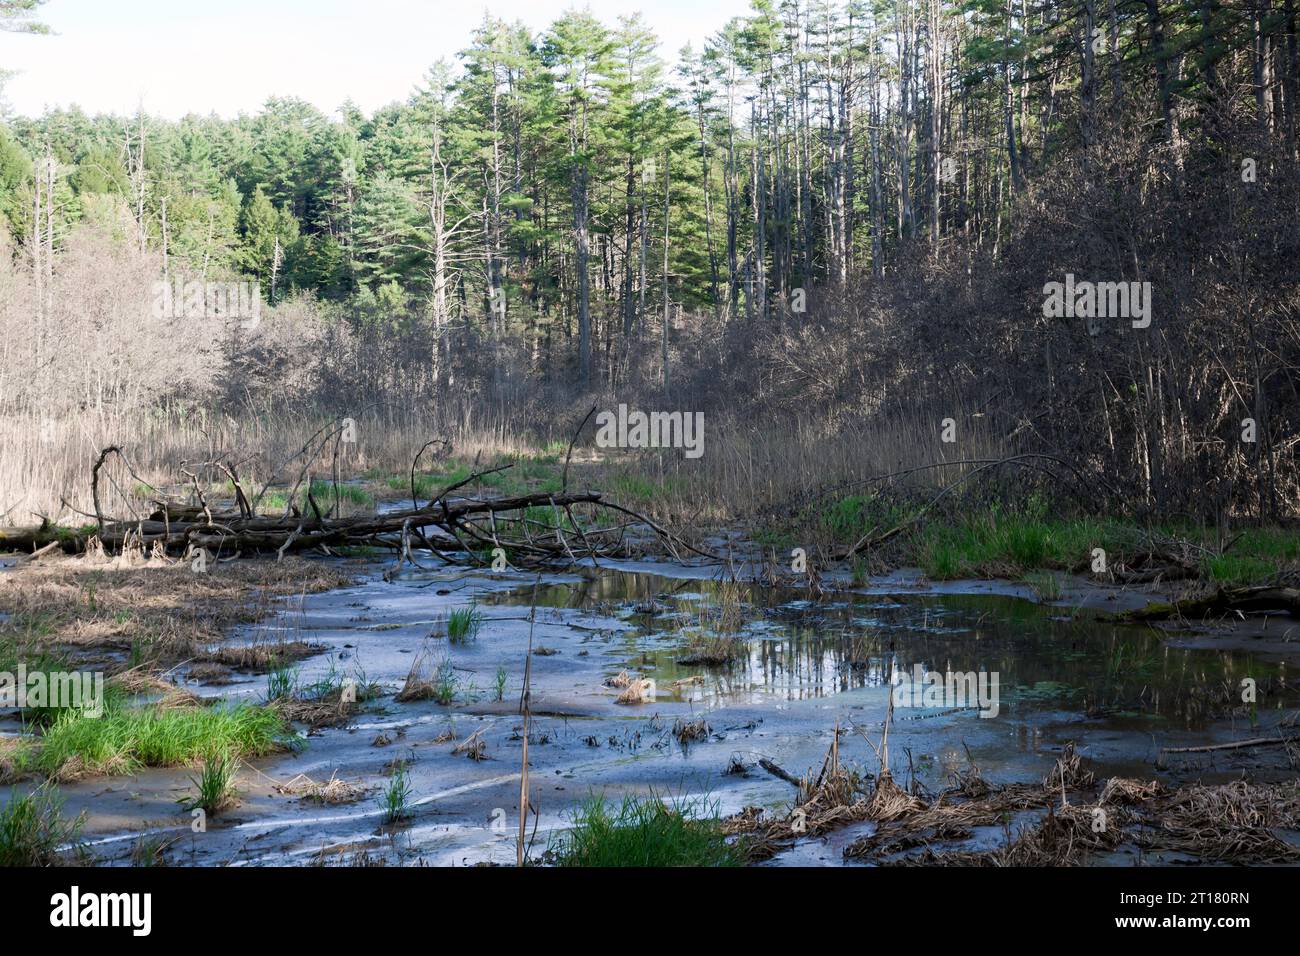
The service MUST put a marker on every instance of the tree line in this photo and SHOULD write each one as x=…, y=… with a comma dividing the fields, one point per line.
x=580, y=208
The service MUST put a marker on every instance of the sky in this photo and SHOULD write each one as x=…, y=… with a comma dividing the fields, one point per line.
x=229, y=56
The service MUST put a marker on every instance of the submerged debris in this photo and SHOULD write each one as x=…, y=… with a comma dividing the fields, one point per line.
x=638, y=691
x=473, y=746
x=687, y=731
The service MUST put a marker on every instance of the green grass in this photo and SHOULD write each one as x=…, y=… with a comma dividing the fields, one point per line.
x=1045, y=584
x=323, y=491
x=445, y=682
x=644, y=831
x=32, y=827
x=543, y=519
x=628, y=487
x=126, y=738
x=330, y=686
x=850, y=518
x=395, y=800
x=277, y=500
x=1007, y=545
x=1254, y=557
x=214, y=783
x=281, y=683
x=463, y=624
x=426, y=486
x=1001, y=542
x=535, y=473
x=12, y=653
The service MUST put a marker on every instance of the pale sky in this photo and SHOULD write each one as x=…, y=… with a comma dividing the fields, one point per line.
x=228, y=56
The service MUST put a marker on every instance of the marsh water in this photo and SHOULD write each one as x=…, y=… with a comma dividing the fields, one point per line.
x=806, y=664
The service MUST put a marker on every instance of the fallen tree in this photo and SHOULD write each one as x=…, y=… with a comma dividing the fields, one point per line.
x=484, y=529
x=1244, y=600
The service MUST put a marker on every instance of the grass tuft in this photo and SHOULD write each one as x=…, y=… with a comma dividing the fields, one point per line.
x=645, y=831
x=32, y=827
x=463, y=624
x=214, y=783
x=395, y=800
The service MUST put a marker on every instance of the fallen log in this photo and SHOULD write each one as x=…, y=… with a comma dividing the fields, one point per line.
x=1246, y=600
x=297, y=533
x=1234, y=745
x=30, y=539
x=474, y=526
x=780, y=773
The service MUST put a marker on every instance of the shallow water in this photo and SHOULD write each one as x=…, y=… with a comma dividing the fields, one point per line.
x=1120, y=692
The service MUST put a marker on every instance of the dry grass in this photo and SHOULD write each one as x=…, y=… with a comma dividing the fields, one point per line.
x=689, y=731
x=315, y=714
x=424, y=681
x=761, y=471
x=141, y=680
x=1068, y=773
x=1224, y=823
x=10, y=748
x=1230, y=823
x=332, y=792
x=158, y=610
x=906, y=820
x=639, y=690
x=745, y=471
x=712, y=650
x=47, y=462
x=473, y=746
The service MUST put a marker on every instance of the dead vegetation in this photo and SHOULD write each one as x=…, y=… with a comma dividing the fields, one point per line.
x=638, y=690
x=1219, y=601
x=712, y=650
x=1073, y=820
x=331, y=711
x=473, y=746
x=427, y=681
x=156, y=612
x=332, y=792
x=689, y=731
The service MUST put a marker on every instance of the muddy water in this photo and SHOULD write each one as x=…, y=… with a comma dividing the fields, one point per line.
x=805, y=666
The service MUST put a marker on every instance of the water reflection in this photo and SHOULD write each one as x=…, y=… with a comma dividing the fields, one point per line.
x=799, y=650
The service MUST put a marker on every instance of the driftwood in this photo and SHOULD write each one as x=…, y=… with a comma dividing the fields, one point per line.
x=1234, y=745
x=780, y=773
x=296, y=533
